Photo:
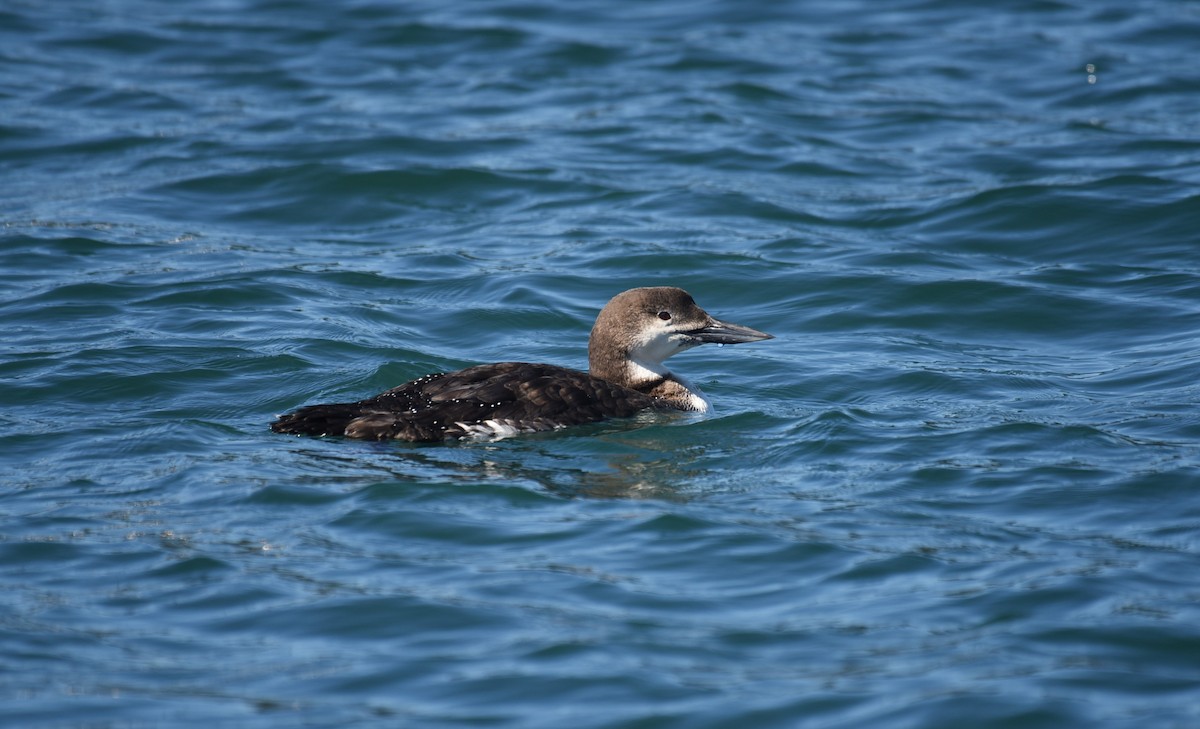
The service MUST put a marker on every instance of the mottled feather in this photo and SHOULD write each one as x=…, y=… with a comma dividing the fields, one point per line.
x=634, y=333
x=531, y=397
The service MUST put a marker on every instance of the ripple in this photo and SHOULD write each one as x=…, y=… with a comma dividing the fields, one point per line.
x=962, y=475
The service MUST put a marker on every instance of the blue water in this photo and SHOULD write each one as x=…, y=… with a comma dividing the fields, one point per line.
x=960, y=489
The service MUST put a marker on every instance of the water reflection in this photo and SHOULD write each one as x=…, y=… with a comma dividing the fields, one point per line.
x=653, y=457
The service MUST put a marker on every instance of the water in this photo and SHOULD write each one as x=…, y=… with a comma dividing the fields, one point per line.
x=959, y=488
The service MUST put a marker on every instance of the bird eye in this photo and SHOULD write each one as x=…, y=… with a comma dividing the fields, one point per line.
x=664, y=315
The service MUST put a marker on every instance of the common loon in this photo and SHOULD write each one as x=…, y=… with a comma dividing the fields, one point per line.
x=635, y=332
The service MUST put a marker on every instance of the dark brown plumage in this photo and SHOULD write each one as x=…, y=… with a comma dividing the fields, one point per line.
x=515, y=396
x=635, y=332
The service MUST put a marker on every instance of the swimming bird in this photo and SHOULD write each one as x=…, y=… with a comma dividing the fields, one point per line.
x=634, y=334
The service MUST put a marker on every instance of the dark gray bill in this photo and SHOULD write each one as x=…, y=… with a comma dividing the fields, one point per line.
x=719, y=332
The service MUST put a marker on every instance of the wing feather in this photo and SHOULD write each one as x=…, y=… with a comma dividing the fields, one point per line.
x=496, y=399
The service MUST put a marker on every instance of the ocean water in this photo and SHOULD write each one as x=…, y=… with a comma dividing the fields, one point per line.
x=961, y=488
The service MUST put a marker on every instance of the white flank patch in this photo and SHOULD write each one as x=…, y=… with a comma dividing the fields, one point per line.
x=492, y=429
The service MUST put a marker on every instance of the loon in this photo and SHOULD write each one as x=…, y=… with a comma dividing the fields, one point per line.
x=635, y=332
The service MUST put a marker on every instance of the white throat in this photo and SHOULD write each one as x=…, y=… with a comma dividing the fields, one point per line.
x=641, y=371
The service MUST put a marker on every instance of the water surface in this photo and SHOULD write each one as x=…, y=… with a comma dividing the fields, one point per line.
x=959, y=488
